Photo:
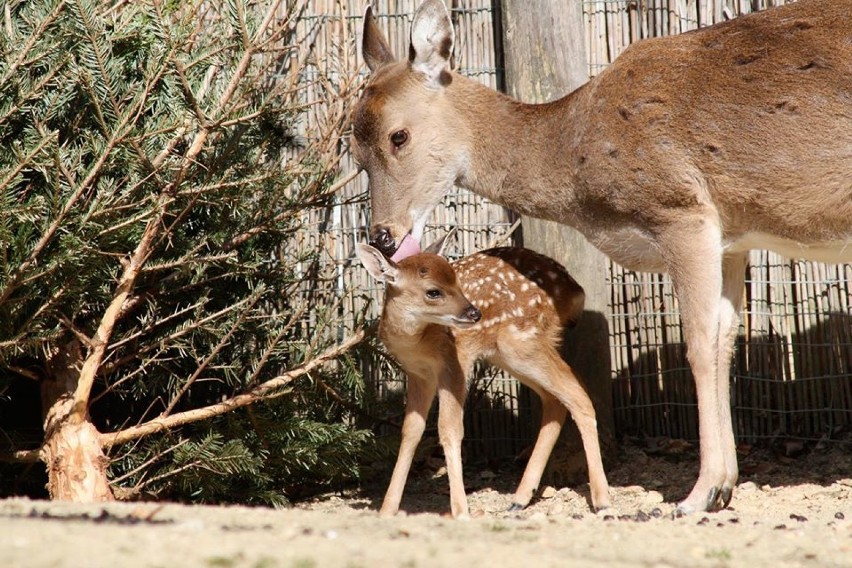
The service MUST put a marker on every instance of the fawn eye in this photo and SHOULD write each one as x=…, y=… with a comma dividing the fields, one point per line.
x=433, y=294
x=399, y=138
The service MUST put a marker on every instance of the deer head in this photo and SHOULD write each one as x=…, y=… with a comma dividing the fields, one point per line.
x=405, y=134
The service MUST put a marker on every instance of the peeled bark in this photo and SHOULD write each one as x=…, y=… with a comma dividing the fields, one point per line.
x=72, y=451
x=76, y=464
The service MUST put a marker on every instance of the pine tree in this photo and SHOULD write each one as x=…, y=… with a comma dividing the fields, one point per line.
x=152, y=279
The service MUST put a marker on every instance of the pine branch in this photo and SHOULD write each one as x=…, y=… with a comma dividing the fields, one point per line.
x=24, y=52
x=141, y=255
x=263, y=391
x=207, y=360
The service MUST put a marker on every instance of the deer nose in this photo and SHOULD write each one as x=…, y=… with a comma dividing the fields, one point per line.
x=473, y=314
x=382, y=240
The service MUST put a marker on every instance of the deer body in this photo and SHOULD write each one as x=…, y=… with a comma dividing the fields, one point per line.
x=522, y=302
x=684, y=154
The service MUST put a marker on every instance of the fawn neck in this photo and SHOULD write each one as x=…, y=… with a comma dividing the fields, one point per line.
x=423, y=348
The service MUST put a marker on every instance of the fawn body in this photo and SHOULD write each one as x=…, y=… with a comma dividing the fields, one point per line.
x=508, y=306
x=680, y=157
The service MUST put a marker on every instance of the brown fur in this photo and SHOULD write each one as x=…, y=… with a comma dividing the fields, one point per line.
x=684, y=154
x=525, y=300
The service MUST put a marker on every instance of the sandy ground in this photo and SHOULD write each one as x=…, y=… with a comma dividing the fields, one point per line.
x=786, y=512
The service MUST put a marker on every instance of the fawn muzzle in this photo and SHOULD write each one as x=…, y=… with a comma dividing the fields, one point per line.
x=469, y=316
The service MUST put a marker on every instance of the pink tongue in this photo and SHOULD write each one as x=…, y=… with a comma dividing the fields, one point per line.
x=408, y=247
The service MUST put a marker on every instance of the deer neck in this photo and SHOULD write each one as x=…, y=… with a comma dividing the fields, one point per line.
x=510, y=149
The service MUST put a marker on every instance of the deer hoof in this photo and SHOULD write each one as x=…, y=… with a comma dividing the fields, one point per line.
x=726, y=495
x=712, y=499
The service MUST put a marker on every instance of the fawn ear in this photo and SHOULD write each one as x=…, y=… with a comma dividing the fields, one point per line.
x=431, y=41
x=439, y=246
x=374, y=46
x=376, y=264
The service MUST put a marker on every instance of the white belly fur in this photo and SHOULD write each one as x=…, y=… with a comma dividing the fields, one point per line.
x=635, y=250
x=831, y=252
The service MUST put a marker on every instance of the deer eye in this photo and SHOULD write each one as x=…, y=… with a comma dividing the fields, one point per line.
x=399, y=138
x=433, y=294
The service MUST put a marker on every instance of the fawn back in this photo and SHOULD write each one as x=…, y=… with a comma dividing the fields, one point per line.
x=522, y=296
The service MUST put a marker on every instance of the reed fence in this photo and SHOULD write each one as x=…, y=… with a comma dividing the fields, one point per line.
x=793, y=367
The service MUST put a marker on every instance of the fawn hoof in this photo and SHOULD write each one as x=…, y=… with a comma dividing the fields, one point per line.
x=514, y=508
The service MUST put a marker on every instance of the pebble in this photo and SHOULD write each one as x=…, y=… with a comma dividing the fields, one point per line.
x=653, y=497
x=548, y=492
x=747, y=486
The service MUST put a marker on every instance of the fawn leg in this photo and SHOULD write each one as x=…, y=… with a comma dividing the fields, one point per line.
x=419, y=395
x=545, y=370
x=451, y=395
x=553, y=415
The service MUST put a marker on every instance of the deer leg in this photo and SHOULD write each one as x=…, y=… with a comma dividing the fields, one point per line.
x=695, y=265
x=553, y=415
x=733, y=282
x=544, y=370
x=419, y=395
x=451, y=395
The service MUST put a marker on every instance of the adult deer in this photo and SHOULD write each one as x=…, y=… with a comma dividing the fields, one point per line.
x=506, y=305
x=683, y=155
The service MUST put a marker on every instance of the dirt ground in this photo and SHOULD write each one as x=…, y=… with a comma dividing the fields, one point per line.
x=786, y=512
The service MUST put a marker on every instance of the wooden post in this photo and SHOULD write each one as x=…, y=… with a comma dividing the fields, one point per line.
x=544, y=58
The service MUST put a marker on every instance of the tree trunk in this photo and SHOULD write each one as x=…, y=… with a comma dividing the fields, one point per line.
x=72, y=452
x=544, y=58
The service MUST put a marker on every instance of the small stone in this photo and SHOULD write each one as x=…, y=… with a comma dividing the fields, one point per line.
x=548, y=492
x=839, y=516
x=747, y=486
x=653, y=497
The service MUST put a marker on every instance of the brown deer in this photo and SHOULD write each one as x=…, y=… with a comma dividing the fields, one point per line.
x=680, y=157
x=506, y=305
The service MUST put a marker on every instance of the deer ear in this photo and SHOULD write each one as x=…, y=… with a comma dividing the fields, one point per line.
x=439, y=246
x=377, y=265
x=431, y=41
x=374, y=46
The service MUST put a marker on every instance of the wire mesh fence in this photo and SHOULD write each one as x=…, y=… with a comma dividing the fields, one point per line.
x=793, y=367
x=495, y=401
x=791, y=372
